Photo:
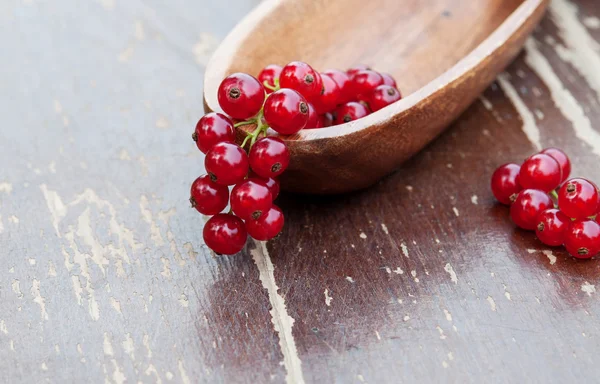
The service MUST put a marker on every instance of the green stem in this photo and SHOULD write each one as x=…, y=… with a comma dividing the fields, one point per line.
x=260, y=128
x=245, y=122
x=554, y=194
x=269, y=86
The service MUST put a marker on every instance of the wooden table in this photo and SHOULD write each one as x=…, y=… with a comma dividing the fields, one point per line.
x=422, y=278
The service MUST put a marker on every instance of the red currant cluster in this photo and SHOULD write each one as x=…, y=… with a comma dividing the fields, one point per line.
x=286, y=100
x=568, y=217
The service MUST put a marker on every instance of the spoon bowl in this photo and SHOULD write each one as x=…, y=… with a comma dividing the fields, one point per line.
x=443, y=54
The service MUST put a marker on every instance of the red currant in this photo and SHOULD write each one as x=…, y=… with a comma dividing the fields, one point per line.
x=269, y=74
x=383, y=96
x=360, y=67
x=272, y=184
x=388, y=80
x=527, y=206
x=364, y=82
x=211, y=129
x=349, y=112
x=269, y=157
x=330, y=97
x=250, y=199
x=578, y=198
x=313, y=118
x=301, y=77
x=207, y=197
x=552, y=227
x=226, y=163
x=326, y=120
x=563, y=161
x=343, y=82
x=225, y=234
x=541, y=172
x=267, y=226
x=241, y=96
x=583, y=239
x=286, y=111
x=505, y=183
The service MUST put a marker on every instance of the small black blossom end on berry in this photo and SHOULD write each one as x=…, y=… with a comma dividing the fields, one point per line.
x=235, y=93
x=303, y=108
x=193, y=202
x=195, y=136
x=276, y=167
x=256, y=214
x=309, y=79
x=583, y=251
x=541, y=227
x=213, y=177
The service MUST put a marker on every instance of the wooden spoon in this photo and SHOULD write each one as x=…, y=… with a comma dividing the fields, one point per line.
x=443, y=53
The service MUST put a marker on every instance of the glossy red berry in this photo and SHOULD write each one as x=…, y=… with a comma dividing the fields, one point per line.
x=269, y=74
x=301, y=77
x=269, y=157
x=583, y=239
x=250, y=199
x=365, y=82
x=271, y=183
x=349, y=112
x=211, y=129
x=578, y=198
x=383, y=96
x=388, y=80
x=241, y=96
x=505, y=183
x=528, y=204
x=342, y=79
x=313, y=118
x=225, y=234
x=552, y=227
x=541, y=172
x=326, y=120
x=207, y=197
x=226, y=164
x=563, y=161
x=267, y=226
x=286, y=111
x=360, y=67
x=331, y=95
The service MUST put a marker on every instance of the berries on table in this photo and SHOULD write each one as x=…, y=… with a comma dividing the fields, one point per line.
x=383, y=96
x=301, y=77
x=343, y=82
x=269, y=76
x=267, y=226
x=213, y=128
x=349, y=112
x=330, y=97
x=271, y=183
x=583, y=239
x=541, y=172
x=225, y=234
x=286, y=111
x=241, y=96
x=365, y=81
x=250, y=199
x=562, y=159
x=269, y=157
x=505, y=183
x=552, y=227
x=526, y=207
x=208, y=197
x=578, y=198
x=226, y=163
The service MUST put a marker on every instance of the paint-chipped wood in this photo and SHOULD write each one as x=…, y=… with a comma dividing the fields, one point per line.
x=421, y=278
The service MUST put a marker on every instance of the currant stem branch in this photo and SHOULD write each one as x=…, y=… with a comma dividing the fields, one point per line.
x=260, y=128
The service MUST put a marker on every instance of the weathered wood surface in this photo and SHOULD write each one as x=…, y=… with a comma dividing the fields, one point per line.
x=104, y=277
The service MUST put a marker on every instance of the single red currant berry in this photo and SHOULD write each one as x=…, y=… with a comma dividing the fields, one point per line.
x=271, y=183
x=563, y=161
x=541, y=172
x=241, y=96
x=326, y=120
x=211, y=129
x=225, y=234
x=357, y=68
x=330, y=97
x=267, y=226
x=583, y=239
x=207, y=197
x=383, y=96
x=226, y=164
x=286, y=111
x=578, y=198
x=303, y=78
x=364, y=82
x=388, y=79
x=269, y=157
x=269, y=74
x=250, y=199
x=505, y=183
x=343, y=82
x=528, y=204
x=552, y=227
x=313, y=118
x=349, y=112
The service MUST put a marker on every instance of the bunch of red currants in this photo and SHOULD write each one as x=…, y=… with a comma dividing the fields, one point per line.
x=568, y=217
x=286, y=100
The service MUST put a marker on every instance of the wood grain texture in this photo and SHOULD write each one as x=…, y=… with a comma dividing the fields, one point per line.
x=444, y=55
x=422, y=278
